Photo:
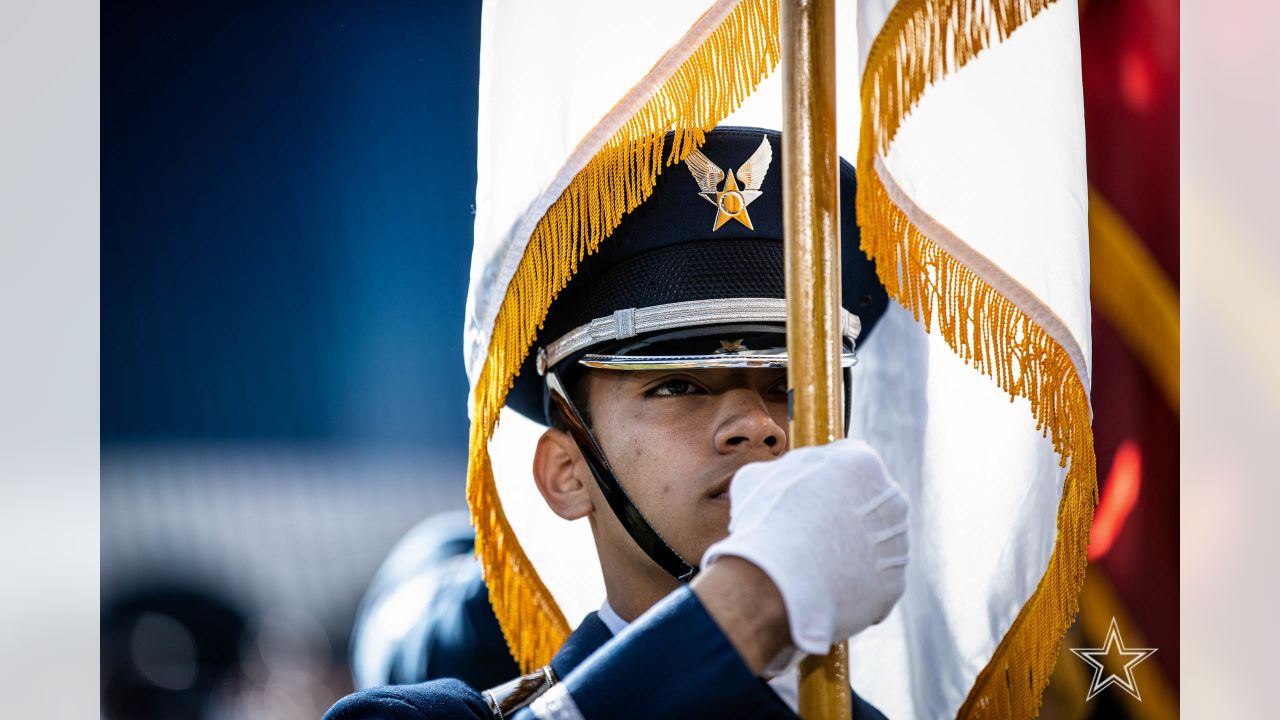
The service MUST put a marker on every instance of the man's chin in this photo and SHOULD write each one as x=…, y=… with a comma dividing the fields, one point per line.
x=712, y=539
x=713, y=518
x=709, y=525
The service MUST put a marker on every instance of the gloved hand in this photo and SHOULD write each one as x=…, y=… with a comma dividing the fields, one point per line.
x=829, y=528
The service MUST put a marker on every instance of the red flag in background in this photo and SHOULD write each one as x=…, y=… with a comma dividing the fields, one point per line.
x=1129, y=51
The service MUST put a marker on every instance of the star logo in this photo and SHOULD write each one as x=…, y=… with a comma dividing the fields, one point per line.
x=1129, y=659
x=731, y=201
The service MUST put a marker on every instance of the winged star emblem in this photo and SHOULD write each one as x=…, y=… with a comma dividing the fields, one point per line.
x=731, y=202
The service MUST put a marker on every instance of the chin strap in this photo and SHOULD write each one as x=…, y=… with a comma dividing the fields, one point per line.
x=627, y=513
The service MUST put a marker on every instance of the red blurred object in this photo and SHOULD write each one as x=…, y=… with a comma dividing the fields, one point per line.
x=1129, y=53
x=1119, y=495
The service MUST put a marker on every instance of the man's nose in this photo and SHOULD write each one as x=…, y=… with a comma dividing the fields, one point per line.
x=746, y=424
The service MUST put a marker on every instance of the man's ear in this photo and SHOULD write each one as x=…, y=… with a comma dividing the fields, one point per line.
x=558, y=467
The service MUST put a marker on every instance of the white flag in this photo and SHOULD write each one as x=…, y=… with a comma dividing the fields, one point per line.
x=966, y=122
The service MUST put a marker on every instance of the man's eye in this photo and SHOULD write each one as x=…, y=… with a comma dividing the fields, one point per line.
x=672, y=388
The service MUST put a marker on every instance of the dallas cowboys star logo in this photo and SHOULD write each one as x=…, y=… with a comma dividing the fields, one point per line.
x=731, y=202
x=1133, y=655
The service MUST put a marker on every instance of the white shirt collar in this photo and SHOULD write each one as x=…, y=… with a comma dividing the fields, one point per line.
x=611, y=619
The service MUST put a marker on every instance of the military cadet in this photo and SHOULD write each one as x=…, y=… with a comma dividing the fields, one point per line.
x=661, y=370
x=427, y=615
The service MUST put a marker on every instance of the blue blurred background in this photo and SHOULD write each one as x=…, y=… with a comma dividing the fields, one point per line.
x=287, y=202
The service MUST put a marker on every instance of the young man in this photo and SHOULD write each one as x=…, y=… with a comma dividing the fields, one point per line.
x=662, y=369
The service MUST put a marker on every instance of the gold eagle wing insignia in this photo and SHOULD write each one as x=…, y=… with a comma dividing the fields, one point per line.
x=756, y=167
x=706, y=173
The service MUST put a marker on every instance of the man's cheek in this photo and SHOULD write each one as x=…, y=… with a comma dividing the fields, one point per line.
x=636, y=452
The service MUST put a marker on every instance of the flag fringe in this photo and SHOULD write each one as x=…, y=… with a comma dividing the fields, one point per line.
x=706, y=87
x=995, y=337
x=921, y=42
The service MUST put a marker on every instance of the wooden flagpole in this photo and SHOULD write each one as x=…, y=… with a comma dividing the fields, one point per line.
x=811, y=217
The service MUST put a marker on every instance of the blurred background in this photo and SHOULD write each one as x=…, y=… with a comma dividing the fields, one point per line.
x=286, y=222
x=1131, y=76
x=286, y=216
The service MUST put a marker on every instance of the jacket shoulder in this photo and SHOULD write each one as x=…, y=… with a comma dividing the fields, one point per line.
x=435, y=700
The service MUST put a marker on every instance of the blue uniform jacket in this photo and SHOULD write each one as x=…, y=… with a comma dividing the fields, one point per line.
x=672, y=663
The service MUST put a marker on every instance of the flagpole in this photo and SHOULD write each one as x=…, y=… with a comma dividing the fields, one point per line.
x=811, y=217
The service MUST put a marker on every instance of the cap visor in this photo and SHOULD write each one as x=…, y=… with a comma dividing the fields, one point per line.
x=693, y=362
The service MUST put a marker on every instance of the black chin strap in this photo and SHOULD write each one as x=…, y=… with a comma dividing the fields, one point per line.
x=628, y=514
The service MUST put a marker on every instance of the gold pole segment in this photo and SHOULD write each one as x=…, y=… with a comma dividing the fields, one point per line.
x=811, y=223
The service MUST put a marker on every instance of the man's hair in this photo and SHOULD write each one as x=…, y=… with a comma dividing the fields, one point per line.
x=577, y=389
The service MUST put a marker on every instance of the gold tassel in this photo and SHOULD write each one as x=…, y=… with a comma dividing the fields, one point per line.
x=708, y=85
x=921, y=42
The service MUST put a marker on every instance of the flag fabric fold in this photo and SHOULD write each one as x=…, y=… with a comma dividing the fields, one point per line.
x=972, y=199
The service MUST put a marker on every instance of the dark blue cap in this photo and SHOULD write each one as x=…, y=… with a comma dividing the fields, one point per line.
x=697, y=239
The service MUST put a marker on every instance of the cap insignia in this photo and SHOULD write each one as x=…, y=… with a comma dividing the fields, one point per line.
x=731, y=202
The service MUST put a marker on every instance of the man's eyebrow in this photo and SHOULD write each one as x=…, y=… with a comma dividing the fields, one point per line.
x=641, y=377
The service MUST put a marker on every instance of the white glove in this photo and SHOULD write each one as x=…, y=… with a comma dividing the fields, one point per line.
x=829, y=528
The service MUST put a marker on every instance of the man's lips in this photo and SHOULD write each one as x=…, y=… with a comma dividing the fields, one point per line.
x=721, y=488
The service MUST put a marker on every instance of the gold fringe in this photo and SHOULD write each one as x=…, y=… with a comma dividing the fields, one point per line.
x=1130, y=290
x=711, y=83
x=921, y=42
